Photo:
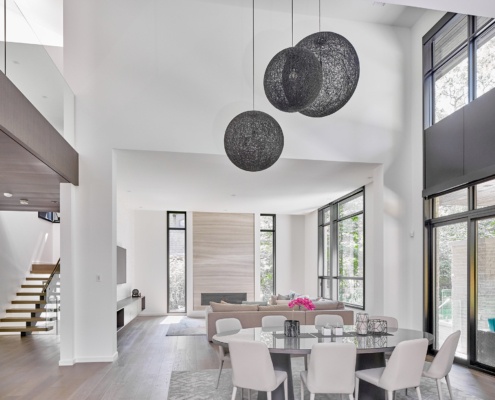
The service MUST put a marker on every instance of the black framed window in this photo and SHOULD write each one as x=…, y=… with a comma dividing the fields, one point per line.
x=176, y=261
x=458, y=64
x=341, y=272
x=459, y=270
x=267, y=255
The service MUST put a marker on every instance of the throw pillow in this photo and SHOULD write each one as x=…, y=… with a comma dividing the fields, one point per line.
x=328, y=305
x=283, y=302
x=283, y=297
x=258, y=303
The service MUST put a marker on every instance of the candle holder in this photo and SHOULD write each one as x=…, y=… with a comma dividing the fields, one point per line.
x=291, y=328
x=362, y=323
x=377, y=326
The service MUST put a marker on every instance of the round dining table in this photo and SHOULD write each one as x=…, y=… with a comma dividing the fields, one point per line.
x=370, y=348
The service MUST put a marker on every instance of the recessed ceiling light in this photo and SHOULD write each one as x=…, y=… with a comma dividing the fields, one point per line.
x=24, y=202
x=7, y=194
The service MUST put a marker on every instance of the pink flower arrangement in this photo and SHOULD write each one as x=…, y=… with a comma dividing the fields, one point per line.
x=302, y=301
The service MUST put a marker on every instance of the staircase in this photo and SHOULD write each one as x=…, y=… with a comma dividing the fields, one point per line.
x=32, y=310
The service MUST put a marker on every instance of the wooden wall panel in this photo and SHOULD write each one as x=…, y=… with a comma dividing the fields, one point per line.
x=223, y=254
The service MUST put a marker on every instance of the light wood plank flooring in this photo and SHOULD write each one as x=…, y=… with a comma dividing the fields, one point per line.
x=29, y=367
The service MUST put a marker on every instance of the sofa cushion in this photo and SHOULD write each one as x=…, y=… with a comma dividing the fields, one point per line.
x=328, y=305
x=283, y=302
x=277, y=307
x=225, y=307
x=258, y=303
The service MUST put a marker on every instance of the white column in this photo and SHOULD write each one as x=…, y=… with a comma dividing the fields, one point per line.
x=67, y=284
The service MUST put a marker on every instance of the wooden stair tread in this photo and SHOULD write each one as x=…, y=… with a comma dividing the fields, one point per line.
x=36, y=278
x=25, y=310
x=27, y=319
x=42, y=268
x=25, y=328
x=28, y=301
x=37, y=294
x=33, y=286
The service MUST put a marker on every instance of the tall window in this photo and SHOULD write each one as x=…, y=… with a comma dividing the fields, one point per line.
x=458, y=64
x=267, y=256
x=460, y=273
x=176, y=252
x=341, y=250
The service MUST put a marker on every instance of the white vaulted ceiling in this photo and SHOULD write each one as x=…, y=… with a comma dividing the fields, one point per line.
x=161, y=80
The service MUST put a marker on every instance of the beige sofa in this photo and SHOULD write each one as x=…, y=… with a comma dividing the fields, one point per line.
x=251, y=315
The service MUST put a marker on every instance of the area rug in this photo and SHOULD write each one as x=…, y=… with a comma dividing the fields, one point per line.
x=187, y=327
x=200, y=385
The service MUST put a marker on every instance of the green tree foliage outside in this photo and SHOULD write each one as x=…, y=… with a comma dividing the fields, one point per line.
x=451, y=84
x=177, y=283
x=350, y=259
x=266, y=265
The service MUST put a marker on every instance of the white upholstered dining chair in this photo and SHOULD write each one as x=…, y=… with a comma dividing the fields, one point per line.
x=392, y=323
x=331, y=370
x=442, y=363
x=225, y=325
x=252, y=368
x=403, y=370
x=324, y=319
x=273, y=321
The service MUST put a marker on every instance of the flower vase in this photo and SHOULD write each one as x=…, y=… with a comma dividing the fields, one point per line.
x=291, y=328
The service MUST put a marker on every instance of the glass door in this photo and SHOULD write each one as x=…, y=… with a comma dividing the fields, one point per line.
x=485, y=286
x=451, y=287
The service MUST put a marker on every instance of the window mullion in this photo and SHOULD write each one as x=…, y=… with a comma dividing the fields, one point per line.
x=471, y=59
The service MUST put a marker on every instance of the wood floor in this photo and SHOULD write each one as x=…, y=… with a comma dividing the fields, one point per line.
x=29, y=367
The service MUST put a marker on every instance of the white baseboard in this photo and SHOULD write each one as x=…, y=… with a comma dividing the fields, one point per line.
x=66, y=363
x=112, y=358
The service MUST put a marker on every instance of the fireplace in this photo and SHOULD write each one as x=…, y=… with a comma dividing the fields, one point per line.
x=234, y=298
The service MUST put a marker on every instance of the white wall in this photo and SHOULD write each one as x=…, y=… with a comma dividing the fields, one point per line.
x=125, y=232
x=311, y=253
x=148, y=106
x=24, y=239
x=150, y=259
x=290, y=274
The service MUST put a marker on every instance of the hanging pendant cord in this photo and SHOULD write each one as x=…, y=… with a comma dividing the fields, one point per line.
x=253, y=55
x=319, y=15
x=292, y=23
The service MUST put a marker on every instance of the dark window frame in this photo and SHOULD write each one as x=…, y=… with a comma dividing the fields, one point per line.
x=334, y=276
x=471, y=217
x=430, y=68
x=274, y=247
x=169, y=228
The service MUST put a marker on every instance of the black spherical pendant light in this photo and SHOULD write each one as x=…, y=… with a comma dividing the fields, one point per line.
x=340, y=67
x=293, y=79
x=253, y=141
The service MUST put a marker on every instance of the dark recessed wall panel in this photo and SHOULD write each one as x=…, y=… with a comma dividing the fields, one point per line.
x=444, y=151
x=479, y=133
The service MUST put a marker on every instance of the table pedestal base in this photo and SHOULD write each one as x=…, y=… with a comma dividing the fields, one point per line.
x=281, y=362
x=367, y=391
